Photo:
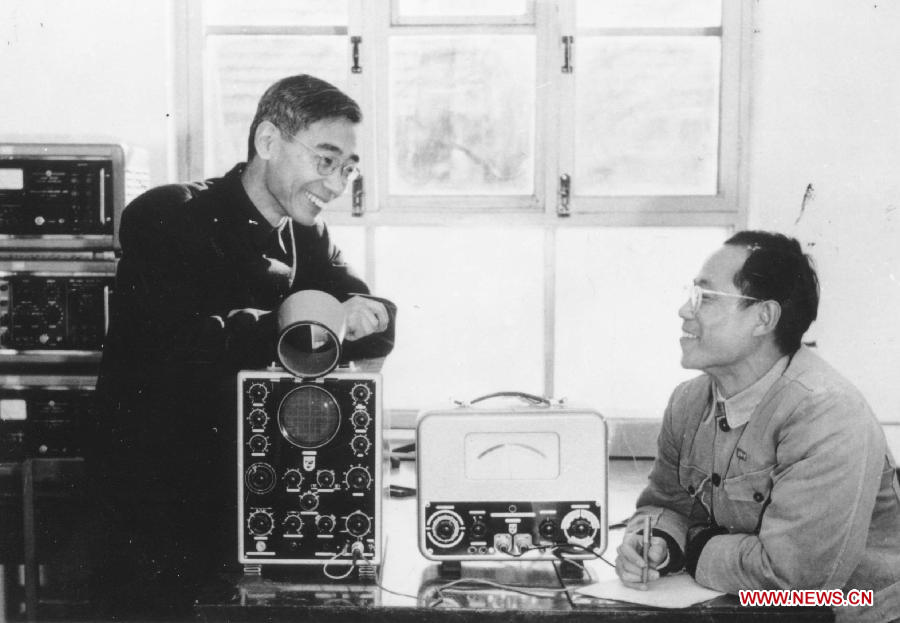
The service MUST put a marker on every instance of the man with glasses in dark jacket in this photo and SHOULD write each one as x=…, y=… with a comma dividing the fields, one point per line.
x=203, y=266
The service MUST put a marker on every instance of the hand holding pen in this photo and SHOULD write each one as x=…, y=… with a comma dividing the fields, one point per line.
x=639, y=556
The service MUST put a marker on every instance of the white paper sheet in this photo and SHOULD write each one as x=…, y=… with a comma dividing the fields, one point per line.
x=670, y=591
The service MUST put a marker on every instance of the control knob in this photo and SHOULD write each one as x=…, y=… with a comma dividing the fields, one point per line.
x=358, y=524
x=258, y=419
x=293, y=479
x=258, y=444
x=325, y=523
x=548, y=529
x=479, y=529
x=53, y=314
x=580, y=527
x=309, y=501
x=360, y=417
x=325, y=478
x=360, y=444
x=260, y=522
x=446, y=528
x=258, y=392
x=292, y=524
x=358, y=478
x=361, y=393
x=260, y=478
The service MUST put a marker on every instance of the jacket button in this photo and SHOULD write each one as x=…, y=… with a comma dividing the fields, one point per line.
x=691, y=489
x=758, y=496
x=716, y=480
x=723, y=425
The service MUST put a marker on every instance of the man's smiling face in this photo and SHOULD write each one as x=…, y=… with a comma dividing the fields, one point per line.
x=718, y=336
x=292, y=177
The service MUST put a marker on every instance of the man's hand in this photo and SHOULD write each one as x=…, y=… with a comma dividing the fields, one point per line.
x=365, y=316
x=630, y=559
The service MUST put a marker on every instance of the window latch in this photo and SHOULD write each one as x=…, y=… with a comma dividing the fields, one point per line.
x=357, y=194
x=568, y=42
x=565, y=190
x=356, y=68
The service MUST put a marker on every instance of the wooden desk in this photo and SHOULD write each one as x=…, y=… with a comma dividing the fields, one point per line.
x=411, y=589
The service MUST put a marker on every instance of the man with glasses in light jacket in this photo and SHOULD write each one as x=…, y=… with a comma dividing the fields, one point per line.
x=772, y=471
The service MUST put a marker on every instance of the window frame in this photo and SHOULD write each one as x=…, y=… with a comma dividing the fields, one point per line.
x=554, y=149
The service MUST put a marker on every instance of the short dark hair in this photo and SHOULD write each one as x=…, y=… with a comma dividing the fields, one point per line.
x=778, y=270
x=294, y=103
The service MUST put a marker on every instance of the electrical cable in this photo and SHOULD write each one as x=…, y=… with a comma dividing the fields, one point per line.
x=380, y=570
x=531, y=591
x=351, y=563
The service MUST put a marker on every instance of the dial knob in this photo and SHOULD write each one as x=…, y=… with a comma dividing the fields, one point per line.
x=258, y=444
x=358, y=524
x=325, y=478
x=293, y=479
x=361, y=393
x=358, y=478
x=580, y=528
x=445, y=528
x=292, y=524
x=258, y=419
x=548, y=529
x=309, y=501
x=479, y=529
x=360, y=444
x=52, y=314
x=260, y=522
x=260, y=478
x=360, y=418
x=325, y=523
x=258, y=392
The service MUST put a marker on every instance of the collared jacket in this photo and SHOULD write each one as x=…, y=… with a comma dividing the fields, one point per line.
x=807, y=488
x=163, y=456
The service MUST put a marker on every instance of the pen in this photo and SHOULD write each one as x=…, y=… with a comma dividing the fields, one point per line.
x=646, y=549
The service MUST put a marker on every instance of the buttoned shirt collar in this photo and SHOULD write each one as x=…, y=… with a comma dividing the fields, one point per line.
x=741, y=406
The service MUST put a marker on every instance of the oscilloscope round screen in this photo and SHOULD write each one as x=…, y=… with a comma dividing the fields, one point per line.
x=309, y=416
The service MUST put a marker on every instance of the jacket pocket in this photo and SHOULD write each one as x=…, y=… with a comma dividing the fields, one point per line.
x=746, y=497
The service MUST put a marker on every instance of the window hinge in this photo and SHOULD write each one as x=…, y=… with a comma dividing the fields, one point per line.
x=568, y=42
x=358, y=194
x=565, y=188
x=356, y=68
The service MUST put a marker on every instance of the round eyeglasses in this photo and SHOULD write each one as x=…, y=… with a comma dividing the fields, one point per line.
x=327, y=165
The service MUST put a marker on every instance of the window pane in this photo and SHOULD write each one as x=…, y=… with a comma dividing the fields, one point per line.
x=241, y=68
x=276, y=13
x=648, y=13
x=618, y=291
x=647, y=116
x=440, y=8
x=470, y=317
x=459, y=124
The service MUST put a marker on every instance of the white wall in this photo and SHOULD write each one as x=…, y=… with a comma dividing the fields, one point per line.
x=95, y=68
x=826, y=113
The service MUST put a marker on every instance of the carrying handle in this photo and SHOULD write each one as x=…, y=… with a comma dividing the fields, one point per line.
x=528, y=398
